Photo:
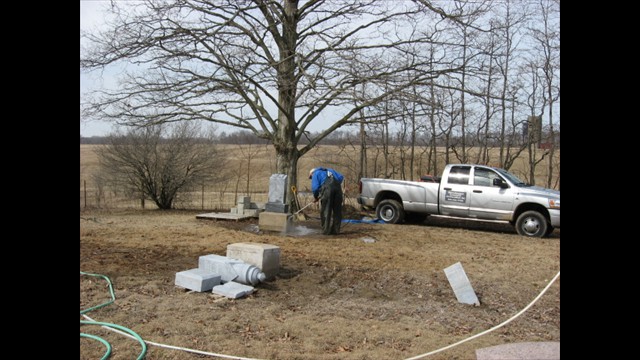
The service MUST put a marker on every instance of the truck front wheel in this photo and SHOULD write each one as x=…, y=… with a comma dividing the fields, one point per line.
x=390, y=211
x=532, y=223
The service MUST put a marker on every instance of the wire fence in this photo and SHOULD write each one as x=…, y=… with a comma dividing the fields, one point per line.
x=206, y=198
x=94, y=196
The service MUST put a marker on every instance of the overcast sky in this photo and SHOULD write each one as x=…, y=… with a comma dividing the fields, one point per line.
x=89, y=17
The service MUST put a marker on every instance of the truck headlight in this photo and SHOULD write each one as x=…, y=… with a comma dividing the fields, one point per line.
x=554, y=203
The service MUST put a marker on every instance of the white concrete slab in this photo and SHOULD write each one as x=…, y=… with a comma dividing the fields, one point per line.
x=233, y=290
x=197, y=279
x=225, y=216
x=461, y=285
x=544, y=350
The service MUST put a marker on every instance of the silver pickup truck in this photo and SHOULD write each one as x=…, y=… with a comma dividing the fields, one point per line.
x=465, y=191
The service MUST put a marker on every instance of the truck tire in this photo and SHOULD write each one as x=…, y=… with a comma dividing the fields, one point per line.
x=549, y=230
x=532, y=224
x=390, y=211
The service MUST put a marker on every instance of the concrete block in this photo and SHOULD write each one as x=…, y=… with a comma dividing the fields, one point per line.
x=276, y=207
x=240, y=208
x=265, y=257
x=271, y=221
x=232, y=290
x=252, y=212
x=197, y=279
x=244, y=200
x=256, y=206
x=233, y=210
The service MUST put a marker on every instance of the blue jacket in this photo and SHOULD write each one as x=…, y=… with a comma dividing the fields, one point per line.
x=318, y=178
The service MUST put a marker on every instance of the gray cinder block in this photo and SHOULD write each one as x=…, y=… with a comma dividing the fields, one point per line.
x=256, y=206
x=197, y=280
x=252, y=212
x=276, y=207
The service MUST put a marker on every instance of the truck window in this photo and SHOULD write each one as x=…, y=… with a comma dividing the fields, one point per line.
x=459, y=175
x=484, y=177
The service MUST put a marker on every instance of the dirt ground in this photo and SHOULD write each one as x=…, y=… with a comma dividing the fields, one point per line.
x=335, y=297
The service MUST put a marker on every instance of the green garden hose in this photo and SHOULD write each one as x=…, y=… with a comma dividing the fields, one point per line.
x=127, y=330
x=107, y=354
x=113, y=295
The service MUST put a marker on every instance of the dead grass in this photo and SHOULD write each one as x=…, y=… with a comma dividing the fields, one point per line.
x=335, y=297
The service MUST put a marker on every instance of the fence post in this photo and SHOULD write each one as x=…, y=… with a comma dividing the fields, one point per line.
x=202, y=198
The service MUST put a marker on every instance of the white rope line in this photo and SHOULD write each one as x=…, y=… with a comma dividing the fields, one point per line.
x=411, y=358
x=175, y=347
x=493, y=328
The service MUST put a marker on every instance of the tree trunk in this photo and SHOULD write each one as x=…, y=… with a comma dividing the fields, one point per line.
x=463, y=123
x=287, y=154
x=363, y=150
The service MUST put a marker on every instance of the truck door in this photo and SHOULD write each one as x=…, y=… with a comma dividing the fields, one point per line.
x=454, y=191
x=487, y=200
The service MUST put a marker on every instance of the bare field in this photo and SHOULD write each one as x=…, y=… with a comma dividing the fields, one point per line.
x=335, y=297
x=260, y=159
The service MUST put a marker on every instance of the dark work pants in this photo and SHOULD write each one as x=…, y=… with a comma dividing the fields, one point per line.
x=330, y=206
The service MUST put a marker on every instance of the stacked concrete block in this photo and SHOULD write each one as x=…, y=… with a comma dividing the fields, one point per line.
x=244, y=200
x=244, y=206
x=197, y=280
x=244, y=265
x=259, y=206
x=252, y=212
x=265, y=257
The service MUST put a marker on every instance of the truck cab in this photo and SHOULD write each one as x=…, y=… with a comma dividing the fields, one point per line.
x=467, y=191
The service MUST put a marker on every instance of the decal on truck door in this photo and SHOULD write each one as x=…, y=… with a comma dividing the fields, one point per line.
x=456, y=196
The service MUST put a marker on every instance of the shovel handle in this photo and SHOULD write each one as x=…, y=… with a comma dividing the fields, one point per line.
x=306, y=206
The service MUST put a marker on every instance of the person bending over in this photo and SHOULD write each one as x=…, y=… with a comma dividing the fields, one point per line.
x=326, y=187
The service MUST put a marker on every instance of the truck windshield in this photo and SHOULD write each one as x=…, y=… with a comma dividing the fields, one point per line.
x=514, y=179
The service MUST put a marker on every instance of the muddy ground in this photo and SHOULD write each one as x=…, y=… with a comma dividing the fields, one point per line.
x=335, y=297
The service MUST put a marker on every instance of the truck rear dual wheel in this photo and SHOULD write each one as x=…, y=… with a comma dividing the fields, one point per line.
x=414, y=218
x=391, y=211
x=532, y=224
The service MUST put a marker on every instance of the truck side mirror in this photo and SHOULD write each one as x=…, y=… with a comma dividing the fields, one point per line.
x=501, y=183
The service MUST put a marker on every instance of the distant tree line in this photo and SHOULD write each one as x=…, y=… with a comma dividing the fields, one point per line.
x=338, y=137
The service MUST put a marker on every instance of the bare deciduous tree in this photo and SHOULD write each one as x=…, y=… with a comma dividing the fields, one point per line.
x=158, y=162
x=269, y=66
x=548, y=40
